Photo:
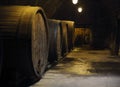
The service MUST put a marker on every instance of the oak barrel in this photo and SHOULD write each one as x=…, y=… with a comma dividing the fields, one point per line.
x=24, y=32
x=79, y=37
x=64, y=38
x=83, y=36
x=88, y=36
x=55, y=46
x=70, y=34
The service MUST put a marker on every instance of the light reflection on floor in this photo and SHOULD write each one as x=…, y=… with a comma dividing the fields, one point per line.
x=84, y=68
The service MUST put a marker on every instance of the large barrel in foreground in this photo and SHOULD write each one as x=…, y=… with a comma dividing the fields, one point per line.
x=54, y=40
x=25, y=42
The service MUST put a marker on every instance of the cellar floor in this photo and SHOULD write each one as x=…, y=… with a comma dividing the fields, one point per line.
x=84, y=68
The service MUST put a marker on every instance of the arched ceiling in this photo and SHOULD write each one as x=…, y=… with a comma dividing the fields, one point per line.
x=93, y=10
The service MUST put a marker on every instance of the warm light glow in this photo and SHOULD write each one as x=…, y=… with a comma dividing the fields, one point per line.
x=74, y=1
x=80, y=9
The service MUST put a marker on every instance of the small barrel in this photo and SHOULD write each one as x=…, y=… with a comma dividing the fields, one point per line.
x=55, y=46
x=64, y=38
x=83, y=36
x=24, y=32
x=88, y=36
x=79, y=37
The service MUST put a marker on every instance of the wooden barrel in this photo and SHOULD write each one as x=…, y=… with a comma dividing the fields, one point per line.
x=79, y=37
x=64, y=38
x=70, y=34
x=83, y=36
x=88, y=36
x=119, y=34
x=25, y=38
x=54, y=40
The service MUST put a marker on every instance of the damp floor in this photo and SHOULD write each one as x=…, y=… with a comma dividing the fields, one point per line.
x=84, y=68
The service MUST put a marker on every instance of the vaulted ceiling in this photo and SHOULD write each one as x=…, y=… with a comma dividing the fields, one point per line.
x=94, y=11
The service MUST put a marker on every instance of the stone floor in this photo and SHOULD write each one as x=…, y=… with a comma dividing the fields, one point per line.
x=84, y=68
